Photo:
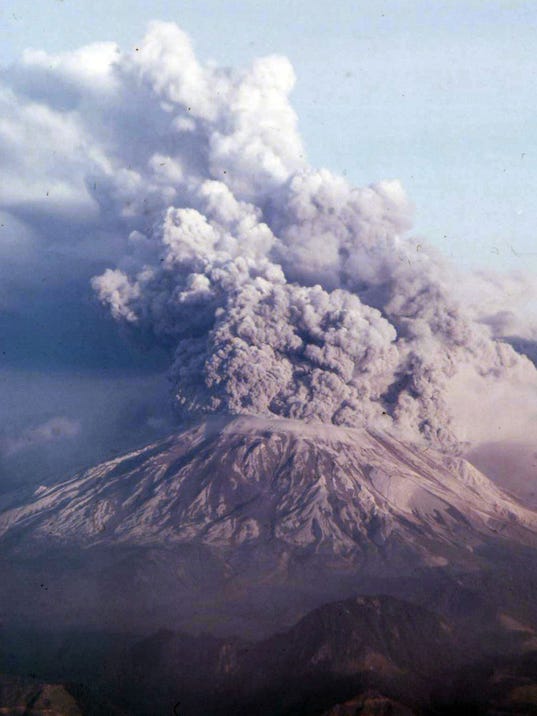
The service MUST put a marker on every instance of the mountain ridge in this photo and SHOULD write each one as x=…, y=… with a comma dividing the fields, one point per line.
x=331, y=484
x=241, y=525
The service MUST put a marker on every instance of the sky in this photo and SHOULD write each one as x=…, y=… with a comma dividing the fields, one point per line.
x=438, y=95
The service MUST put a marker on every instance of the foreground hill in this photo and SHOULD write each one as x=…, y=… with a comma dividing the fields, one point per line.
x=367, y=655
x=29, y=697
x=334, y=651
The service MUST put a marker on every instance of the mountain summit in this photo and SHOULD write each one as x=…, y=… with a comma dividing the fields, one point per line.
x=240, y=481
x=254, y=508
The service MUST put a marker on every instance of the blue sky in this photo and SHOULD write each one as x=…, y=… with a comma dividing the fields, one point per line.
x=441, y=95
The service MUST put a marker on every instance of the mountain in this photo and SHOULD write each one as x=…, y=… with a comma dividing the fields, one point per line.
x=370, y=654
x=369, y=704
x=30, y=696
x=248, y=480
x=367, y=655
x=246, y=523
x=335, y=651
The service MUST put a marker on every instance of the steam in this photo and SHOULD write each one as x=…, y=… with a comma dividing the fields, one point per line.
x=277, y=288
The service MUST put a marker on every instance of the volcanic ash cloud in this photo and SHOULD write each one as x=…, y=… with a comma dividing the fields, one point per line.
x=278, y=289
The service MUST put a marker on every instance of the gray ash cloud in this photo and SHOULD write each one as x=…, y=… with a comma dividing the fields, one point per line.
x=277, y=288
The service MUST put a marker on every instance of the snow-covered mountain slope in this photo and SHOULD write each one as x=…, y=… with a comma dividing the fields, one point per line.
x=245, y=482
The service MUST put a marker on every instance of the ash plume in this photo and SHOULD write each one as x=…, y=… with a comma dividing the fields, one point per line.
x=284, y=290
x=278, y=289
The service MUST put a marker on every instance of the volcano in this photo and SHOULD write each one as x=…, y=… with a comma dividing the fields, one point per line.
x=247, y=522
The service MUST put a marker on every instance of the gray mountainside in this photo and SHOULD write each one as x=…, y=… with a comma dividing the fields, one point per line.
x=245, y=522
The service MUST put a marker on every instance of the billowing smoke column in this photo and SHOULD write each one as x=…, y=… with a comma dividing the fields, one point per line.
x=281, y=290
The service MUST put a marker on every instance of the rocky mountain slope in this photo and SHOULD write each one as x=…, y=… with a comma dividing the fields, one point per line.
x=367, y=655
x=248, y=480
x=335, y=650
x=31, y=698
x=214, y=523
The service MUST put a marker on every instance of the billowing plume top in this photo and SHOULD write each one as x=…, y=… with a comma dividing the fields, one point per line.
x=280, y=289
